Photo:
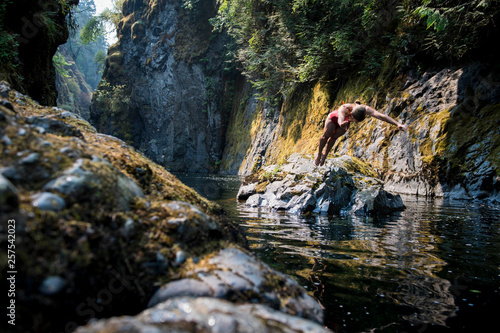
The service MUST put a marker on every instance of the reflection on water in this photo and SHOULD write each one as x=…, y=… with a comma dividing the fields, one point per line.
x=433, y=268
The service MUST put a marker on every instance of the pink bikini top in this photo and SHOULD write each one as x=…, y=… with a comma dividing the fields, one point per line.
x=334, y=117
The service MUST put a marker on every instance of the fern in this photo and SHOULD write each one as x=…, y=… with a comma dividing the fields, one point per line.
x=435, y=19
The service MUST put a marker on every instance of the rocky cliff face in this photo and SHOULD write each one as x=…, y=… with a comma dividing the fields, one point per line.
x=162, y=85
x=450, y=150
x=31, y=32
x=73, y=91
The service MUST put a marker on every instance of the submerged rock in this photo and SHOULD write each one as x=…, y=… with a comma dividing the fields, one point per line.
x=344, y=185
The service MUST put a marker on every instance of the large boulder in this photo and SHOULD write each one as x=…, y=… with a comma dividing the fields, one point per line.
x=97, y=223
x=344, y=185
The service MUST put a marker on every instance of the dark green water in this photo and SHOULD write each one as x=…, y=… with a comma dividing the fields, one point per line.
x=433, y=268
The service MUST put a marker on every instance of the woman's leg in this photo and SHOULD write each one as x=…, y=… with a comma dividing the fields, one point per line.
x=339, y=131
x=327, y=133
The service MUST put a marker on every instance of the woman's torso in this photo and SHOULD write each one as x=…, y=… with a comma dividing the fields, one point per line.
x=334, y=116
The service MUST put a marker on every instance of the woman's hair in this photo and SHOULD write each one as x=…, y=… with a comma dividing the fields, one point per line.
x=359, y=112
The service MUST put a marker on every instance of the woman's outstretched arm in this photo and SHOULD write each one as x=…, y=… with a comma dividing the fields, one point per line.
x=375, y=114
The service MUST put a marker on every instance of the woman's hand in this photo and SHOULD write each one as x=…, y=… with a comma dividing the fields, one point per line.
x=345, y=124
x=402, y=127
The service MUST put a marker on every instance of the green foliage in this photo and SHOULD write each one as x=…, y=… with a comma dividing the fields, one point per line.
x=8, y=42
x=115, y=100
x=87, y=43
x=269, y=175
x=100, y=61
x=434, y=17
x=8, y=46
x=115, y=97
x=60, y=63
x=190, y=4
x=277, y=42
x=454, y=29
x=113, y=15
x=92, y=30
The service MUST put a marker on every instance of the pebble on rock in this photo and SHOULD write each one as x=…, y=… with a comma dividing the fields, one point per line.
x=48, y=201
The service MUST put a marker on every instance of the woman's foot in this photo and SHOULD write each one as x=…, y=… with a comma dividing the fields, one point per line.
x=317, y=161
x=322, y=160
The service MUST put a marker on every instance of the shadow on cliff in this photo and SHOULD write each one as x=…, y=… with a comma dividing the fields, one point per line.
x=471, y=138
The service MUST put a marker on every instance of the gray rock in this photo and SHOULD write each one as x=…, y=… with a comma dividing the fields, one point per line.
x=156, y=267
x=21, y=131
x=48, y=201
x=205, y=314
x=338, y=187
x=46, y=144
x=127, y=189
x=183, y=287
x=192, y=224
x=8, y=105
x=77, y=181
x=246, y=191
x=180, y=257
x=235, y=275
x=11, y=173
x=175, y=110
x=6, y=140
x=30, y=159
x=127, y=228
x=54, y=126
x=9, y=196
x=254, y=200
x=70, y=185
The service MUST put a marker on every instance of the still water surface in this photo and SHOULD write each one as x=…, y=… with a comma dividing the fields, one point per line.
x=434, y=267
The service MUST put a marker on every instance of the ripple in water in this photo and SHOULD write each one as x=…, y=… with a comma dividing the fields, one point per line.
x=434, y=267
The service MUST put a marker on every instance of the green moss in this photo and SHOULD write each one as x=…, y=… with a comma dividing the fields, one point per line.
x=465, y=130
x=261, y=187
x=357, y=165
x=242, y=129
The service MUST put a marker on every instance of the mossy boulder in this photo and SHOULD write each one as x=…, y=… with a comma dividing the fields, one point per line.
x=98, y=226
x=234, y=274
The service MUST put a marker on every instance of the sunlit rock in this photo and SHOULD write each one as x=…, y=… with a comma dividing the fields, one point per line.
x=344, y=185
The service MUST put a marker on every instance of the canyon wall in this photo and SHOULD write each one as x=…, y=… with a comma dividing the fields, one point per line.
x=162, y=85
x=30, y=32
